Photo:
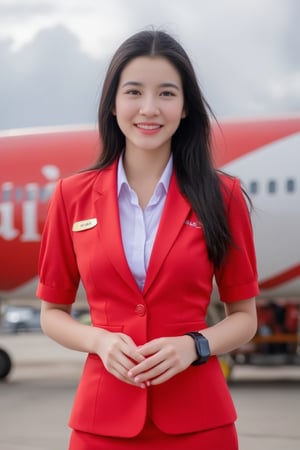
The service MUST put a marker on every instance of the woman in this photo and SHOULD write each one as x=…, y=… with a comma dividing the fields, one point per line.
x=147, y=229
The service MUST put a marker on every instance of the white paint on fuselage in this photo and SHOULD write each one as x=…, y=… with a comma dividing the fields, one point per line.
x=276, y=216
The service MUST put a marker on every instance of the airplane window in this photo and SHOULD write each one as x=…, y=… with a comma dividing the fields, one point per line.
x=18, y=193
x=253, y=187
x=31, y=191
x=43, y=194
x=290, y=185
x=46, y=192
x=4, y=196
x=6, y=191
x=272, y=187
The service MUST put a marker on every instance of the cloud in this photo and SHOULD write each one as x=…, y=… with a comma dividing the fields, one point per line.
x=53, y=55
x=241, y=56
x=49, y=81
x=24, y=9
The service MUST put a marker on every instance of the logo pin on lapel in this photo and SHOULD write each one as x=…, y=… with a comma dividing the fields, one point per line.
x=193, y=223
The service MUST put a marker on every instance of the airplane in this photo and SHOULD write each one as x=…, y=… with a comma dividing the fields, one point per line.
x=263, y=153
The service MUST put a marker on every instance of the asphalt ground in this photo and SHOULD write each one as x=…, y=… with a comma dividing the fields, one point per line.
x=36, y=398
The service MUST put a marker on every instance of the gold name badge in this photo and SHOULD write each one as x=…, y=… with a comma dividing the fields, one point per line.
x=84, y=224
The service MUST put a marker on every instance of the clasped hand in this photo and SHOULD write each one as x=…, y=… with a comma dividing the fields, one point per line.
x=150, y=364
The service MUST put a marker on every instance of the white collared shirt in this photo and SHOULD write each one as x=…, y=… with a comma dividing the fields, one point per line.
x=139, y=227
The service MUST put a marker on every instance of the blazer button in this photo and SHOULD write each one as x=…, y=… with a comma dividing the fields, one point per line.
x=140, y=309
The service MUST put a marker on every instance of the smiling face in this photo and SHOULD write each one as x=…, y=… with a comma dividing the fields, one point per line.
x=149, y=103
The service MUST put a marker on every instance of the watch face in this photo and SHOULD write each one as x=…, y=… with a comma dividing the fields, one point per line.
x=202, y=347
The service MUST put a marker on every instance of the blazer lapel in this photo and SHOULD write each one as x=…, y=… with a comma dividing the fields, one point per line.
x=174, y=214
x=107, y=211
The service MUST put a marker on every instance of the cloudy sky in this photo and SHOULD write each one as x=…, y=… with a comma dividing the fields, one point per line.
x=53, y=54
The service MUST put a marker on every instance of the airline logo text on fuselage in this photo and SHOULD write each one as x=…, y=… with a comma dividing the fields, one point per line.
x=20, y=206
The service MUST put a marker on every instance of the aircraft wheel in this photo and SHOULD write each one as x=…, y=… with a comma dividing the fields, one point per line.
x=5, y=364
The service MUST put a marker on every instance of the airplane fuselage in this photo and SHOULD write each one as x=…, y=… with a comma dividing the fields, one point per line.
x=265, y=155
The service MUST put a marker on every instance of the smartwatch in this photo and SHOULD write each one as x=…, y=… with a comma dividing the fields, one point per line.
x=202, y=347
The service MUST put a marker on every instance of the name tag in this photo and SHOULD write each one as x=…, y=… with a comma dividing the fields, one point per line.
x=84, y=224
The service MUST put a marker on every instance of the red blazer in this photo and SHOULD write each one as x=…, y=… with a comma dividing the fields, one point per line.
x=174, y=300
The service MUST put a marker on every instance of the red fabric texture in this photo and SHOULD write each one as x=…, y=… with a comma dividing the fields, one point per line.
x=174, y=301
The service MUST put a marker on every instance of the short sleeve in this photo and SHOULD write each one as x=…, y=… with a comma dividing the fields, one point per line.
x=237, y=277
x=57, y=270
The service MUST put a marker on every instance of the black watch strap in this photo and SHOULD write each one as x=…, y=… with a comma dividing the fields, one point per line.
x=202, y=347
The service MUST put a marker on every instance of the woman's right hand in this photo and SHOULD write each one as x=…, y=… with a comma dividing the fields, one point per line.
x=117, y=351
x=119, y=354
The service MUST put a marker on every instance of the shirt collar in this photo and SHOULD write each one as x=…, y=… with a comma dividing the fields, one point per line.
x=164, y=179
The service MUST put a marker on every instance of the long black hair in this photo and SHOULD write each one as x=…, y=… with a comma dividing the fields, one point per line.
x=196, y=176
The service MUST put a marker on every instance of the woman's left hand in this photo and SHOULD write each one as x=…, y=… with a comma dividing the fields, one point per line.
x=165, y=357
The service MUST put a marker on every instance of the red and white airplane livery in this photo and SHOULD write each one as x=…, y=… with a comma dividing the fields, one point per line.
x=264, y=154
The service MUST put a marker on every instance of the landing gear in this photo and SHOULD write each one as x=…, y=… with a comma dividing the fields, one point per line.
x=5, y=364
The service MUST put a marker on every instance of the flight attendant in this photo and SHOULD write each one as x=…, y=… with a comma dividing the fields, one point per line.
x=147, y=230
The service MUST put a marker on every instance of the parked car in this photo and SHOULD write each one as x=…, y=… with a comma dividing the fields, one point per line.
x=18, y=319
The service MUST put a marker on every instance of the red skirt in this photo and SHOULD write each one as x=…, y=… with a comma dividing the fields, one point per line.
x=151, y=437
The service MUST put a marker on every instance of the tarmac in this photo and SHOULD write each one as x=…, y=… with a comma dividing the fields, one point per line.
x=36, y=398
